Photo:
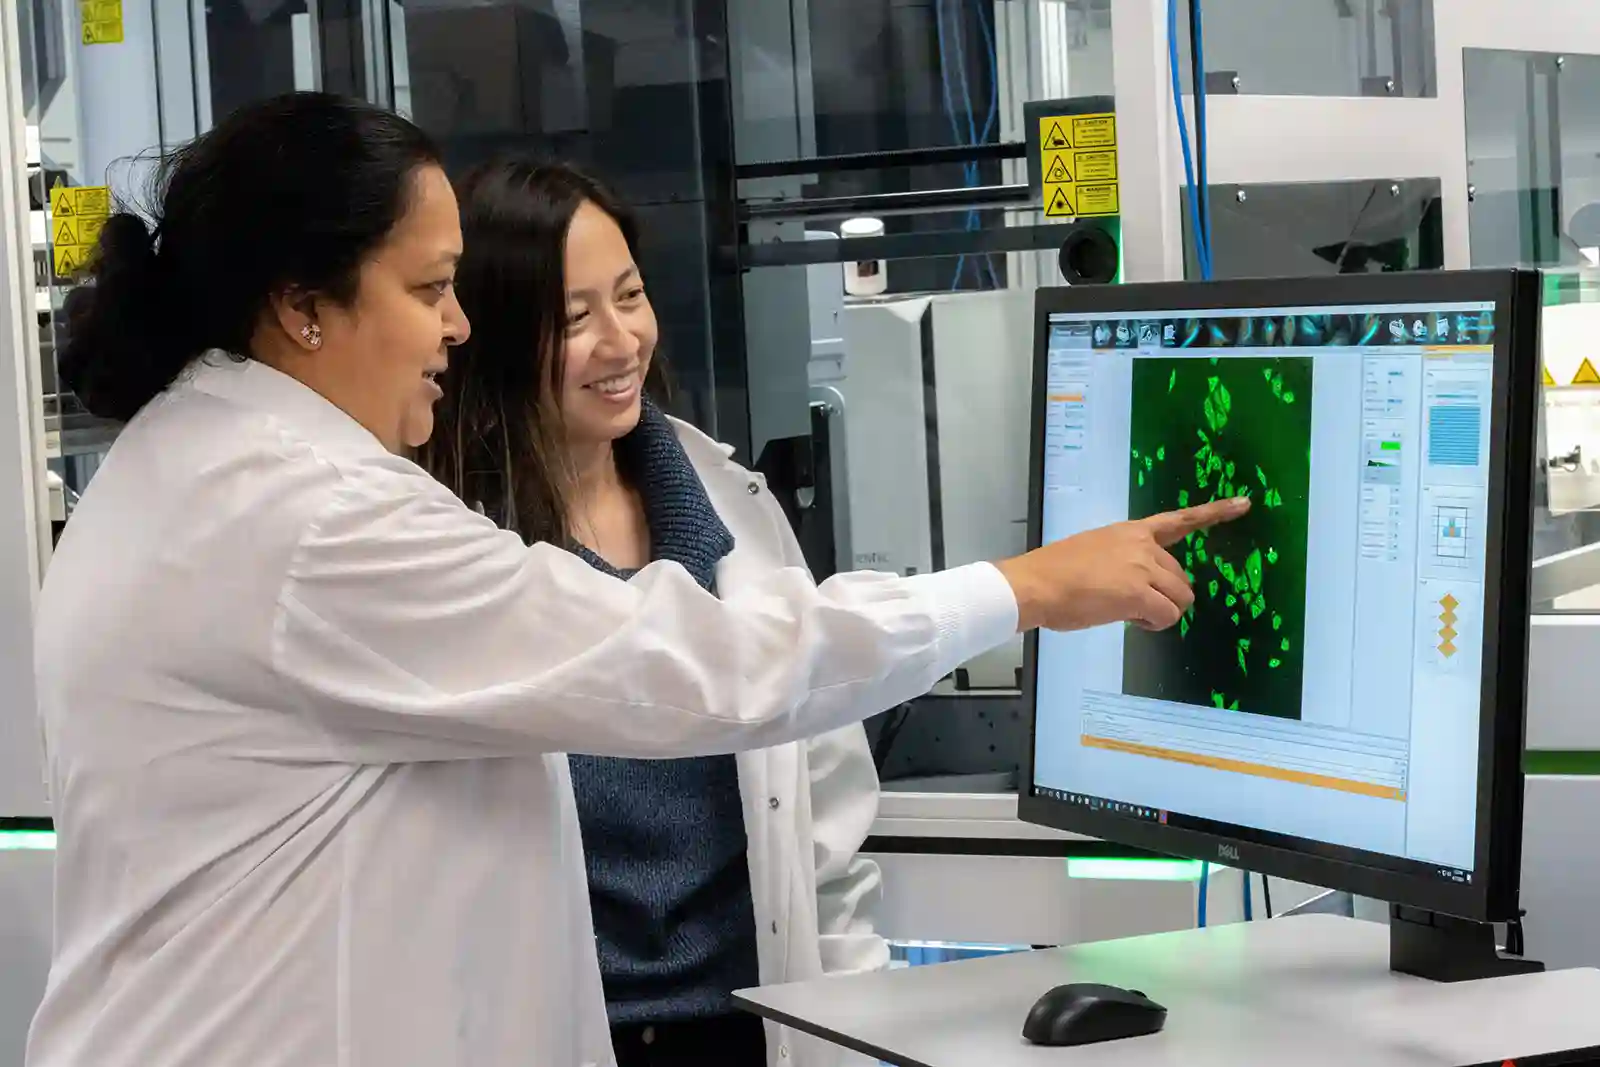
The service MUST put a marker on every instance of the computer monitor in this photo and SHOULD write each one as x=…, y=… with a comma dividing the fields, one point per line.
x=1344, y=704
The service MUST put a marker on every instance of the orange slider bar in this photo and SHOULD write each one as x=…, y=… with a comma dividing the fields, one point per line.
x=1260, y=770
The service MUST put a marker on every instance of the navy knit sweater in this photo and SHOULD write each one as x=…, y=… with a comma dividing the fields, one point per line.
x=664, y=840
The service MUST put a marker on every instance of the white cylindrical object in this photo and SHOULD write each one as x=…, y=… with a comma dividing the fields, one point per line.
x=865, y=277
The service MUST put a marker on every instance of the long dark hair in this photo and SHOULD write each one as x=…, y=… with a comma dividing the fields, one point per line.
x=292, y=192
x=498, y=439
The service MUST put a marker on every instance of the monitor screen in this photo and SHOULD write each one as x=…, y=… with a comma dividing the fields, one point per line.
x=1325, y=690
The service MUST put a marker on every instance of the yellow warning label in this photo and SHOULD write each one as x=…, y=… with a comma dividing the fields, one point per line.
x=1096, y=166
x=1058, y=202
x=1056, y=168
x=1586, y=375
x=1094, y=131
x=1547, y=379
x=1078, y=165
x=77, y=216
x=1098, y=199
x=102, y=21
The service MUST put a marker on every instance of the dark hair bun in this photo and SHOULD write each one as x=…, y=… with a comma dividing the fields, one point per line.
x=108, y=359
x=288, y=193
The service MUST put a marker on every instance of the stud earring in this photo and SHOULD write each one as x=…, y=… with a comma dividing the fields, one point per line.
x=312, y=333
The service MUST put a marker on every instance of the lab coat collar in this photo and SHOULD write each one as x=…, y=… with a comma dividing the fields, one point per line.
x=254, y=385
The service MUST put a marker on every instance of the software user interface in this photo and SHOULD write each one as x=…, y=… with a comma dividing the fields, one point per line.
x=1326, y=683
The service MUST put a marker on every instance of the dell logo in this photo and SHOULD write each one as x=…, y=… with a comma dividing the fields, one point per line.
x=1228, y=852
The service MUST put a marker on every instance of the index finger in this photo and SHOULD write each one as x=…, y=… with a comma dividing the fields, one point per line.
x=1173, y=526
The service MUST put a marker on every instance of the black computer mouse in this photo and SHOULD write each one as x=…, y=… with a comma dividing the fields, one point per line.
x=1084, y=1013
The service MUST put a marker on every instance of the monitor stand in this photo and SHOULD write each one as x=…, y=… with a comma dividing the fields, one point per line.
x=1442, y=948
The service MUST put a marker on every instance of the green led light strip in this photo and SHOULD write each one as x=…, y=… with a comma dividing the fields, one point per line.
x=27, y=840
x=1134, y=870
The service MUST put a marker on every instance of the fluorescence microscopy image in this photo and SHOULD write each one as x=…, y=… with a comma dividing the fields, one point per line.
x=1207, y=429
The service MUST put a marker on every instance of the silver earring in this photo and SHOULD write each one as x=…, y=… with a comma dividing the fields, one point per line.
x=312, y=333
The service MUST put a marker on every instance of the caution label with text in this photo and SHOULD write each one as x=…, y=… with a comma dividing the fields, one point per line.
x=76, y=219
x=102, y=21
x=1078, y=164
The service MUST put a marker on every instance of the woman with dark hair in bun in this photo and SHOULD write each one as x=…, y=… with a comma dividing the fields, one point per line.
x=305, y=712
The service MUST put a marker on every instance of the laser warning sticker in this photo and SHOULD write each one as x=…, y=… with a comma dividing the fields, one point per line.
x=76, y=217
x=1078, y=165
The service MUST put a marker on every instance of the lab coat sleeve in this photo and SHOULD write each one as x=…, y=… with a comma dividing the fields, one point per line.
x=410, y=628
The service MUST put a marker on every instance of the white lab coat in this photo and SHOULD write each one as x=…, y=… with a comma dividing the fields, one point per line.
x=303, y=717
x=808, y=806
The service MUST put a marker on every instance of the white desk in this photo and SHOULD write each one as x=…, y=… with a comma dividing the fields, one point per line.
x=1310, y=991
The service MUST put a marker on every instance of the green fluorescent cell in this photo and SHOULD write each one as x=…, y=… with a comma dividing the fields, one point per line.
x=1172, y=379
x=1232, y=600
x=1234, y=706
x=1161, y=453
x=1218, y=699
x=1183, y=626
x=1213, y=587
x=1236, y=618
x=1252, y=567
x=1284, y=647
x=1274, y=663
x=1272, y=555
x=1288, y=397
x=1262, y=476
x=1183, y=498
x=1277, y=621
x=1257, y=608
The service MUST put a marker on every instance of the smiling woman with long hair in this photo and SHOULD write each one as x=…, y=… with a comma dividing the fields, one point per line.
x=552, y=423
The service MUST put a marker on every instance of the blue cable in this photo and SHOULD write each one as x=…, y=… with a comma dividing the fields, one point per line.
x=1249, y=905
x=949, y=110
x=992, y=55
x=1201, y=248
x=1201, y=144
x=969, y=171
x=1202, y=252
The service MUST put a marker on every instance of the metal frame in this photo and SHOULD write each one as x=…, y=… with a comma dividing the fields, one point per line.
x=1492, y=893
x=25, y=511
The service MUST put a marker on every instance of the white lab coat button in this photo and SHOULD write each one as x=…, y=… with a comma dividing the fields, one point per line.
x=774, y=926
x=783, y=1052
x=772, y=802
x=753, y=488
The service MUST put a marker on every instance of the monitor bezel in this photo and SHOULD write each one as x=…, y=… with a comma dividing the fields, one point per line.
x=1492, y=894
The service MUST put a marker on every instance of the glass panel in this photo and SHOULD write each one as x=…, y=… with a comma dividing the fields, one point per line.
x=1532, y=125
x=1513, y=104
x=1313, y=228
x=633, y=90
x=1316, y=47
x=1566, y=537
